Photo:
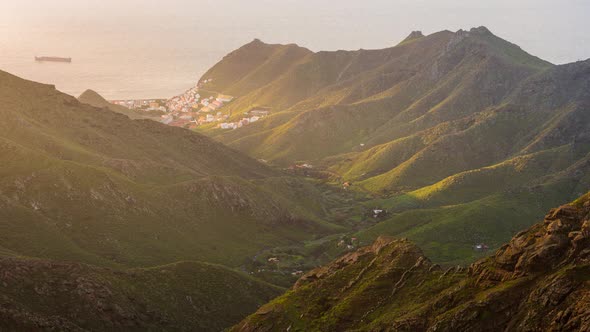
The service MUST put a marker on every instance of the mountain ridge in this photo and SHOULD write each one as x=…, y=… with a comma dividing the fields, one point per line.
x=448, y=42
x=40, y=295
x=404, y=123
x=538, y=281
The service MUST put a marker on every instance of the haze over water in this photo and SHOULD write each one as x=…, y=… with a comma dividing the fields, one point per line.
x=156, y=49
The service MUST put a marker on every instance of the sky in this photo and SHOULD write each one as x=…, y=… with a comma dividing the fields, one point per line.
x=180, y=39
x=554, y=30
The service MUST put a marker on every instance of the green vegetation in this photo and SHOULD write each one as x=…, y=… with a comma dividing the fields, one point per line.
x=391, y=285
x=84, y=184
x=89, y=185
x=182, y=296
x=448, y=234
x=458, y=139
x=440, y=130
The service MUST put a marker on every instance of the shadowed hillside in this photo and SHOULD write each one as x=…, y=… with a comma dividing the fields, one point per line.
x=58, y=296
x=87, y=184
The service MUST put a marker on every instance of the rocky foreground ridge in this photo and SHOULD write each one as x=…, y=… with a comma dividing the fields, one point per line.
x=540, y=281
x=44, y=295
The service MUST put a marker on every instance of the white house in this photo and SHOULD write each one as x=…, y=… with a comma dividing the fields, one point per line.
x=224, y=98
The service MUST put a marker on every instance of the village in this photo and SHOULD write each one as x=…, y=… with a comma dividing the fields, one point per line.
x=194, y=108
x=145, y=105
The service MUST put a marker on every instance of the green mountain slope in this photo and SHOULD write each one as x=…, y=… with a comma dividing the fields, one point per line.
x=252, y=66
x=539, y=116
x=339, y=100
x=541, y=141
x=87, y=184
x=539, y=281
x=432, y=127
x=185, y=296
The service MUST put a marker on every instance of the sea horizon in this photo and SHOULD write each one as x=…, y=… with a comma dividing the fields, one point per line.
x=143, y=50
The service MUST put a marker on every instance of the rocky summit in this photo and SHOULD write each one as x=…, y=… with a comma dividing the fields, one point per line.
x=539, y=281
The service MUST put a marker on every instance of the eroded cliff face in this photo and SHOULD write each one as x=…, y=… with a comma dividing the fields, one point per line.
x=540, y=281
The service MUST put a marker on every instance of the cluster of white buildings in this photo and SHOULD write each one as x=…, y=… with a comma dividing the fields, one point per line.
x=255, y=116
x=185, y=102
x=213, y=104
x=190, y=109
x=141, y=104
x=238, y=124
x=191, y=101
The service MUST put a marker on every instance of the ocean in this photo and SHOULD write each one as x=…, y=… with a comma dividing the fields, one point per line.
x=140, y=49
x=128, y=60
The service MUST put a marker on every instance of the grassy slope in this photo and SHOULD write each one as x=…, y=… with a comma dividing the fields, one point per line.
x=91, y=185
x=84, y=184
x=551, y=156
x=449, y=121
x=392, y=286
x=379, y=95
x=450, y=217
x=182, y=296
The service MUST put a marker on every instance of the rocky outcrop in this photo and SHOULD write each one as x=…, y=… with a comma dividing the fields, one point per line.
x=402, y=251
x=562, y=239
x=412, y=36
x=540, y=281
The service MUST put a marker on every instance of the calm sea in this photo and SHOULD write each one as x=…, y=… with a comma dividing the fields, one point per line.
x=156, y=48
x=126, y=60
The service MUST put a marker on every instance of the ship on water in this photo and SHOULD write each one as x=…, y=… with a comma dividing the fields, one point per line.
x=52, y=59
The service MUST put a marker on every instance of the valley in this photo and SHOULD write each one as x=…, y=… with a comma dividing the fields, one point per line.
x=463, y=137
x=141, y=222
x=309, y=181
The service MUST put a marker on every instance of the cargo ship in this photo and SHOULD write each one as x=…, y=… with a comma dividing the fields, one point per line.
x=52, y=59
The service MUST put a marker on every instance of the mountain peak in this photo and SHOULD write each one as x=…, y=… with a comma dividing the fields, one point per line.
x=92, y=97
x=256, y=42
x=482, y=30
x=89, y=93
x=412, y=36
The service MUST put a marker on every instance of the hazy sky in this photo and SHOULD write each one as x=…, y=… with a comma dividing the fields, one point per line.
x=172, y=42
x=555, y=30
